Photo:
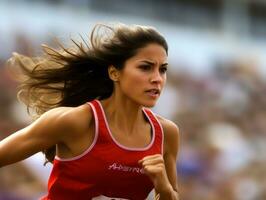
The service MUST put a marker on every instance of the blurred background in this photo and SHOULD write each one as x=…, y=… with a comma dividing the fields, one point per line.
x=216, y=90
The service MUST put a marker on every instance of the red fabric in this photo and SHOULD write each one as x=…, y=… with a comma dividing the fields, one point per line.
x=105, y=168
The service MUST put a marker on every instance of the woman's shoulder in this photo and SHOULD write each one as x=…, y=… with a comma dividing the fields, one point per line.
x=69, y=117
x=171, y=133
x=168, y=126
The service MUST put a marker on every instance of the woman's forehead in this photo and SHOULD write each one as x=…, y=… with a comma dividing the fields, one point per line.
x=152, y=53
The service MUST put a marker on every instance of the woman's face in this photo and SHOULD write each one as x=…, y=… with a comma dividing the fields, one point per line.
x=143, y=76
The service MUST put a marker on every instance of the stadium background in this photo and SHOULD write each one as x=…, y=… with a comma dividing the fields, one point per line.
x=215, y=92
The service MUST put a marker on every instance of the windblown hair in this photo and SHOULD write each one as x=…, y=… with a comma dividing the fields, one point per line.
x=73, y=76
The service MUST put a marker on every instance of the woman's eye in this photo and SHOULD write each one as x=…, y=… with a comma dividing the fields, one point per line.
x=145, y=67
x=163, y=69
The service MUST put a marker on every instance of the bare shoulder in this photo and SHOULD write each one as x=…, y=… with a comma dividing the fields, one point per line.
x=169, y=127
x=65, y=120
x=171, y=134
x=69, y=115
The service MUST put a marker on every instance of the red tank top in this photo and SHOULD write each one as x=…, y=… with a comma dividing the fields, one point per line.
x=107, y=169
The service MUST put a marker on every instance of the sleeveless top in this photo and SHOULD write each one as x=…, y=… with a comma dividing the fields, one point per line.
x=107, y=169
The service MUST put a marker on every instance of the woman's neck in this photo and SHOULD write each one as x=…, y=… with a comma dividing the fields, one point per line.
x=123, y=114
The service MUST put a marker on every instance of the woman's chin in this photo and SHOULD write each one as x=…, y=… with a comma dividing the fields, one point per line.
x=149, y=104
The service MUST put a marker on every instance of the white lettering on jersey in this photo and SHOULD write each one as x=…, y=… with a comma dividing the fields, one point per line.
x=119, y=167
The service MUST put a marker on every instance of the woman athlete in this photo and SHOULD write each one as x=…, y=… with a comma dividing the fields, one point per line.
x=92, y=118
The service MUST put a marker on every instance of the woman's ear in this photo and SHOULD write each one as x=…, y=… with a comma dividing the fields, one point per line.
x=113, y=73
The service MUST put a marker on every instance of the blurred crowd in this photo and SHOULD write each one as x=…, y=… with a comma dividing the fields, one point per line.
x=221, y=117
x=17, y=182
x=223, y=133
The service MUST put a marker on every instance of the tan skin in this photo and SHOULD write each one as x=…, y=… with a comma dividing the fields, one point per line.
x=71, y=129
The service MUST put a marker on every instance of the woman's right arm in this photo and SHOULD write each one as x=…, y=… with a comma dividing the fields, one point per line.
x=51, y=128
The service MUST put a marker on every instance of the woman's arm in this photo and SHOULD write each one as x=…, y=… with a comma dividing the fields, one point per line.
x=171, y=147
x=50, y=129
x=162, y=169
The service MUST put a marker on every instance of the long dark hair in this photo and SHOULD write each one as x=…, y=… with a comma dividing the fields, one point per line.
x=73, y=76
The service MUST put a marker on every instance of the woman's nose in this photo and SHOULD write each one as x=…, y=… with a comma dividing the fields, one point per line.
x=156, y=77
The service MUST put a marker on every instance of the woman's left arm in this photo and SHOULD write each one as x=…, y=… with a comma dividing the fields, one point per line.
x=162, y=168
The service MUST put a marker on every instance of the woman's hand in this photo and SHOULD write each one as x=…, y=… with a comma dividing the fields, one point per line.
x=154, y=168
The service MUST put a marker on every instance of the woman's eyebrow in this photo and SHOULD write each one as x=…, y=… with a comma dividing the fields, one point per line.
x=164, y=64
x=152, y=63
